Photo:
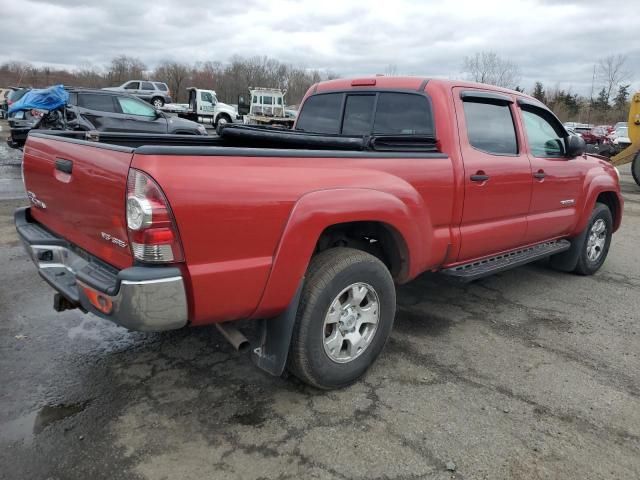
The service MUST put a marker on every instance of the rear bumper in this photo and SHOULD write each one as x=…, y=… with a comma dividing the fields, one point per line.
x=138, y=298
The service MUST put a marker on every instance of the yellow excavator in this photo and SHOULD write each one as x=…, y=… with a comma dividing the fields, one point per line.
x=632, y=152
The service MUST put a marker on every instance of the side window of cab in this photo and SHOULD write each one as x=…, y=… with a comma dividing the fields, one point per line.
x=545, y=135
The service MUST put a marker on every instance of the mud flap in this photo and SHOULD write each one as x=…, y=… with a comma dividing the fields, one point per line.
x=275, y=337
x=568, y=260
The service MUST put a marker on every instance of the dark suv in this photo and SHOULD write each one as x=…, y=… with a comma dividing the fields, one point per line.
x=104, y=111
x=156, y=93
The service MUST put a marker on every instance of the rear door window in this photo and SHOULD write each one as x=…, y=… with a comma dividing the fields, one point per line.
x=490, y=127
x=131, y=106
x=132, y=86
x=321, y=114
x=147, y=86
x=96, y=101
x=403, y=114
x=358, y=113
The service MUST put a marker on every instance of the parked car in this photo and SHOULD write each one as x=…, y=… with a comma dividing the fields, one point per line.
x=593, y=135
x=4, y=92
x=381, y=179
x=103, y=111
x=14, y=94
x=621, y=138
x=156, y=93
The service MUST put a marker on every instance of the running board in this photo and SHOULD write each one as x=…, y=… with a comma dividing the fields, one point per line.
x=488, y=266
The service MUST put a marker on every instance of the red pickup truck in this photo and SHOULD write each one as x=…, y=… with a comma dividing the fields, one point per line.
x=309, y=230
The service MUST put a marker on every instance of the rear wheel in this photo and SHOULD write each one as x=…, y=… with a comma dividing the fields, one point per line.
x=157, y=102
x=597, y=241
x=345, y=315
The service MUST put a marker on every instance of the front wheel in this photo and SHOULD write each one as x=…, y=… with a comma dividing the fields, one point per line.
x=221, y=122
x=345, y=316
x=597, y=241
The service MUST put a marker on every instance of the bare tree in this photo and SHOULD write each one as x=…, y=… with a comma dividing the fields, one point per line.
x=20, y=70
x=391, y=70
x=228, y=80
x=175, y=74
x=612, y=73
x=488, y=67
x=125, y=68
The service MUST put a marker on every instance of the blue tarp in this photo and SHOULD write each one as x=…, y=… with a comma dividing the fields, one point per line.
x=45, y=99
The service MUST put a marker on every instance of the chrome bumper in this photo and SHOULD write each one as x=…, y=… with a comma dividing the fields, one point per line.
x=141, y=298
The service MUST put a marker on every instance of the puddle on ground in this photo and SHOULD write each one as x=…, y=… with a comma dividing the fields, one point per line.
x=32, y=423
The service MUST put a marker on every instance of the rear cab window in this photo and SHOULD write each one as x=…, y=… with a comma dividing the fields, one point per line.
x=490, y=127
x=355, y=113
x=96, y=101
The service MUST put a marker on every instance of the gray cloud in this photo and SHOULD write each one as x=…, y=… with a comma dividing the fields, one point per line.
x=555, y=41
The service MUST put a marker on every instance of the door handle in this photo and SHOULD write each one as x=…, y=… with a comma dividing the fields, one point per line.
x=64, y=165
x=479, y=177
x=539, y=175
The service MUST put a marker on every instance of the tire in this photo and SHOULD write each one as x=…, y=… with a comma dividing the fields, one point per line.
x=592, y=256
x=334, y=277
x=157, y=102
x=635, y=168
x=223, y=120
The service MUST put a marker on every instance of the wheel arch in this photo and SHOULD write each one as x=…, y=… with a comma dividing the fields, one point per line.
x=611, y=200
x=327, y=218
x=223, y=114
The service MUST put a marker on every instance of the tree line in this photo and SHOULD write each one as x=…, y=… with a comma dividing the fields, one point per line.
x=607, y=104
x=229, y=80
x=611, y=81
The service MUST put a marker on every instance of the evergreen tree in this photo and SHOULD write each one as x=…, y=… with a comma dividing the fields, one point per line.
x=621, y=99
x=538, y=92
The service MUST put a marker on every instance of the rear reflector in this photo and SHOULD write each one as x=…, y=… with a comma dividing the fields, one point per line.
x=98, y=299
x=153, y=234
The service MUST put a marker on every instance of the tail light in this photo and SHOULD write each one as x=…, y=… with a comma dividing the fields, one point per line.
x=153, y=234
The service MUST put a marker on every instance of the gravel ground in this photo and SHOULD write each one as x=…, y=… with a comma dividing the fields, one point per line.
x=528, y=374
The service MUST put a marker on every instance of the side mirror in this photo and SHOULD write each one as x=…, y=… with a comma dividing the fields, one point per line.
x=243, y=105
x=575, y=146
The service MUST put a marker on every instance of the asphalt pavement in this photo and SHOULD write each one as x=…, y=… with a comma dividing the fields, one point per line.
x=528, y=374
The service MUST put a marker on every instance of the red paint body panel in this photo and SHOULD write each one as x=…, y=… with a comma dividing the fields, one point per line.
x=249, y=224
x=234, y=214
x=86, y=203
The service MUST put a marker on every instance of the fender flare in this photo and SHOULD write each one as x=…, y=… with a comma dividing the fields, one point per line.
x=314, y=212
x=598, y=185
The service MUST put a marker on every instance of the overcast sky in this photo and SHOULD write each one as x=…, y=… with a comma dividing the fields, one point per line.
x=555, y=41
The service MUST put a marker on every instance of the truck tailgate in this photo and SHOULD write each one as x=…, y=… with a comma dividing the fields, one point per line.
x=78, y=190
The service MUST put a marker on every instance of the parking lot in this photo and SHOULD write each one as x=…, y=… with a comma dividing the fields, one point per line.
x=527, y=374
